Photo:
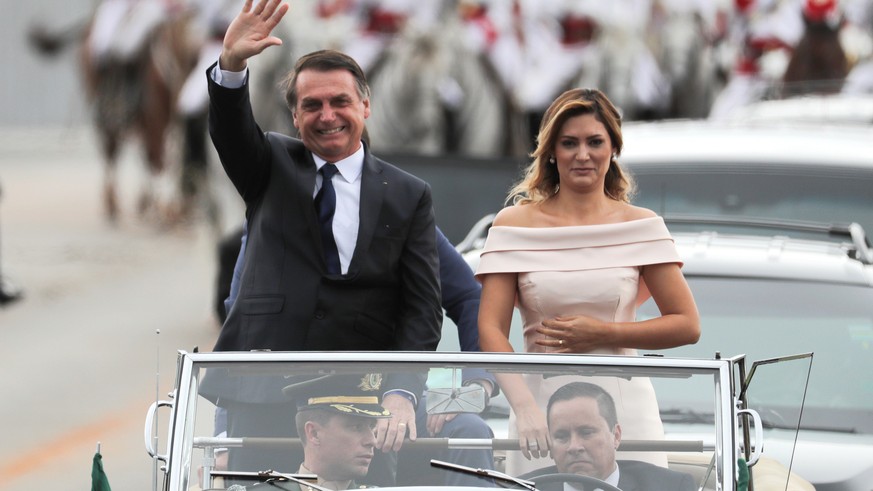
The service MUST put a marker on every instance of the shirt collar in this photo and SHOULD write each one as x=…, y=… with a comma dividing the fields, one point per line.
x=613, y=478
x=350, y=167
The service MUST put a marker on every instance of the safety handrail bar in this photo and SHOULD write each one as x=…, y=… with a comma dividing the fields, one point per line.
x=149, y=426
x=758, y=447
x=453, y=443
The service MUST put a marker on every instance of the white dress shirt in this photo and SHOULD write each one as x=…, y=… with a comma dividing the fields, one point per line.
x=347, y=218
x=346, y=183
x=611, y=479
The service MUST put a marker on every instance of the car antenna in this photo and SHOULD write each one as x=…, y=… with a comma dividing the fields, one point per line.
x=157, y=398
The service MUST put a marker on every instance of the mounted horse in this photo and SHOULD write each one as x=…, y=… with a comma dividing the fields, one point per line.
x=133, y=95
x=432, y=95
x=685, y=55
x=818, y=63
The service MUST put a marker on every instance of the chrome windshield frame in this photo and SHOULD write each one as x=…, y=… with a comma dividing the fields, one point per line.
x=177, y=468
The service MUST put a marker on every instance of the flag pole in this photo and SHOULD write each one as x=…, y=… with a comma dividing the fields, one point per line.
x=99, y=481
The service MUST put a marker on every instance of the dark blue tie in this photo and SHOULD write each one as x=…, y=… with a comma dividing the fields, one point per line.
x=325, y=206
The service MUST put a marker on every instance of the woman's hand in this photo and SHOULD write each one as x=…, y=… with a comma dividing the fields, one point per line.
x=574, y=334
x=533, y=432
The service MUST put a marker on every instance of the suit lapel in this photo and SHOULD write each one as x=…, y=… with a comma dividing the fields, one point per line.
x=373, y=189
x=627, y=480
x=305, y=185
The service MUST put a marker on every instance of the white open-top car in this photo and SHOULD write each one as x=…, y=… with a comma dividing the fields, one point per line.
x=711, y=411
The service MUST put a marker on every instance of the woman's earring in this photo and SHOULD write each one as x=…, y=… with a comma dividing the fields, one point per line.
x=552, y=159
x=614, y=157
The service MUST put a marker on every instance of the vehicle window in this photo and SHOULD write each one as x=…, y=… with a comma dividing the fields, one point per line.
x=766, y=318
x=829, y=195
x=241, y=416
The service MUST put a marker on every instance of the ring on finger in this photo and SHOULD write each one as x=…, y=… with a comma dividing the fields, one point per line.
x=560, y=342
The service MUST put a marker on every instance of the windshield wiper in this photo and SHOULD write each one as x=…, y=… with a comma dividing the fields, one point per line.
x=771, y=425
x=291, y=478
x=273, y=476
x=484, y=473
x=772, y=419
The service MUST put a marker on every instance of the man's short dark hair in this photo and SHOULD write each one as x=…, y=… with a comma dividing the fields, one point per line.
x=324, y=60
x=575, y=390
x=320, y=416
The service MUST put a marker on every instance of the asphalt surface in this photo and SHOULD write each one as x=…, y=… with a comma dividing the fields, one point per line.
x=81, y=358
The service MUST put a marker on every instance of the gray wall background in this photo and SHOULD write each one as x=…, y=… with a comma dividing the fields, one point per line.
x=464, y=189
x=38, y=91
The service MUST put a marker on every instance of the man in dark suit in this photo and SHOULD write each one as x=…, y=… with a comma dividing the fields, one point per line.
x=585, y=436
x=360, y=273
x=460, y=300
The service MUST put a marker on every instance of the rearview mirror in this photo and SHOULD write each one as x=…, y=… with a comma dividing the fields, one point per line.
x=469, y=399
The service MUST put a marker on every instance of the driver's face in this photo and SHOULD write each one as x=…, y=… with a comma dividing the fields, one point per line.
x=582, y=441
x=347, y=445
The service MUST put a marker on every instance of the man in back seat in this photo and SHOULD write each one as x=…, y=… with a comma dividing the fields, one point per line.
x=585, y=436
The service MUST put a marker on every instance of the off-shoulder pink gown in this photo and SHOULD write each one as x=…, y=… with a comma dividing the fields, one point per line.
x=592, y=270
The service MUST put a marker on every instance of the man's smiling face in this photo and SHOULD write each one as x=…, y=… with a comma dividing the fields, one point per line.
x=330, y=113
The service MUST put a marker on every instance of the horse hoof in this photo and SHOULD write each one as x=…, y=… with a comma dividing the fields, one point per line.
x=110, y=203
x=146, y=202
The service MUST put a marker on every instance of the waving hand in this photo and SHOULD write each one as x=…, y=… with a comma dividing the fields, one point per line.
x=249, y=33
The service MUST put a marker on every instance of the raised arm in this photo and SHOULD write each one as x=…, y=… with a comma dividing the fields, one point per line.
x=240, y=143
x=250, y=33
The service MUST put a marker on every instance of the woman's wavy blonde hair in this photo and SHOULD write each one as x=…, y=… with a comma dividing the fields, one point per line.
x=541, y=180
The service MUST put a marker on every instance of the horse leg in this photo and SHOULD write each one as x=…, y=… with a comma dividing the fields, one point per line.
x=154, y=125
x=155, y=192
x=111, y=143
x=194, y=160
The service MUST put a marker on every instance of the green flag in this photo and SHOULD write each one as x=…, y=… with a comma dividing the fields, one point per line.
x=99, y=481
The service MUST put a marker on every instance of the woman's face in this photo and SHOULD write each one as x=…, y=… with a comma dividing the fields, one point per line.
x=582, y=153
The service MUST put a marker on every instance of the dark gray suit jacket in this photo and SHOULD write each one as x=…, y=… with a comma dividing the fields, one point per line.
x=390, y=298
x=633, y=476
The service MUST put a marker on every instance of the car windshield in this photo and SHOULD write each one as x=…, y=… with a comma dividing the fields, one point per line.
x=247, y=419
x=828, y=194
x=766, y=318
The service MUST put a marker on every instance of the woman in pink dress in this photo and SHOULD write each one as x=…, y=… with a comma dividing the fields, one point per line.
x=577, y=259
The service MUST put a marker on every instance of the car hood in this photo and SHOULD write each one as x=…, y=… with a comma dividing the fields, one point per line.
x=831, y=461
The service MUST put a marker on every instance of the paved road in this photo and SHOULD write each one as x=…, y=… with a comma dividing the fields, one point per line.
x=80, y=360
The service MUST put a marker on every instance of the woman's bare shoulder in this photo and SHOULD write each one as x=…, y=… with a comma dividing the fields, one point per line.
x=632, y=212
x=516, y=216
